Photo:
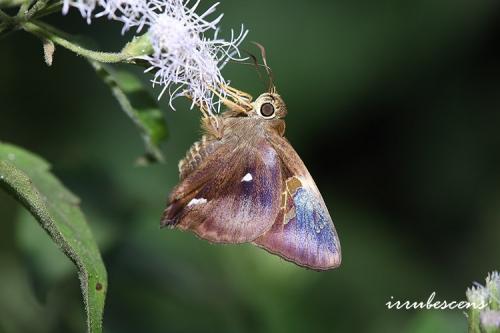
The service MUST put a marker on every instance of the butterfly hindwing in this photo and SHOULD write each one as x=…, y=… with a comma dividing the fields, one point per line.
x=232, y=196
x=303, y=231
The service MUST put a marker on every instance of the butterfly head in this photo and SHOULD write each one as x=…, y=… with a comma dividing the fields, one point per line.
x=269, y=106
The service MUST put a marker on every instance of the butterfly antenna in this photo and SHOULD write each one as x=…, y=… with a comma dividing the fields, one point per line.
x=272, y=87
x=255, y=62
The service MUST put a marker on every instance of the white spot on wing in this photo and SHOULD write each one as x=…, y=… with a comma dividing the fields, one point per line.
x=248, y=178
x=196, y=201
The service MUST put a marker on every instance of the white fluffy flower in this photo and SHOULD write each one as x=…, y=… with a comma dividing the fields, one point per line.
x=493, y=285
x=186, y=61
x=184, y=57
x=86, y=7
x=130, y=12
x=478, y=295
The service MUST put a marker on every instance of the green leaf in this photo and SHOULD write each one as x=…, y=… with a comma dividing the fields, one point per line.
x=139, y=106
x=28, y=178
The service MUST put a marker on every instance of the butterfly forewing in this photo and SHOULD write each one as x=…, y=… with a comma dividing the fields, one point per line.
x=231, y=197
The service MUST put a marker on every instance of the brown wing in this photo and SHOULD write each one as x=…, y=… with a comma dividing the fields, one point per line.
x=231, y=196
x=303, y=232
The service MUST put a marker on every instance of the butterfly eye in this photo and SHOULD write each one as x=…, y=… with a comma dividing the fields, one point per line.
x=267, y=110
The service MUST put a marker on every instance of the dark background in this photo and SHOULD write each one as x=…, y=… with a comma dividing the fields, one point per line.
x=394, y=108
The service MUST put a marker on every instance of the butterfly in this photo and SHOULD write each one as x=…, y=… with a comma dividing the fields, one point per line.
x=244, y=183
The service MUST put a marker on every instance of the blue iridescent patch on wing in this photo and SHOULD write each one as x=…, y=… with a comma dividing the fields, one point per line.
x=313, y=223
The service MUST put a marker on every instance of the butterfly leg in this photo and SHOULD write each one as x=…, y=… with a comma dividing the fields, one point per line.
x=238, y=94
x=203, y=108
x=233, y=103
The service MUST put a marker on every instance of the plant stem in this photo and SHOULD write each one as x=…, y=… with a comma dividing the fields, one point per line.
x=39, y=5
x=23, y=10
x=5, y=18
x=53, y=8
x=6, y=23
x=106, y=57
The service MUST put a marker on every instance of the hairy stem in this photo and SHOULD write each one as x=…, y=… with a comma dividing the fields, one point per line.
x=42, y=31
x=5, y=18
x=23, y=10
x=6, y=24
x=50, y=9
x=39, y=5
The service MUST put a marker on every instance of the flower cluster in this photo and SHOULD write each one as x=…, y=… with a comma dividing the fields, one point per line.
x=186, y=60
x=487, y=318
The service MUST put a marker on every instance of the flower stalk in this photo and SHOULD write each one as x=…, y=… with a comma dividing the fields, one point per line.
x=135, y=48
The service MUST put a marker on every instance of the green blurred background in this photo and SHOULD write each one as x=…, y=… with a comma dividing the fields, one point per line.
x=394, y=106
